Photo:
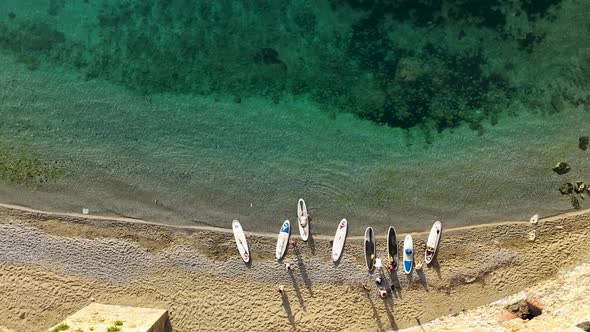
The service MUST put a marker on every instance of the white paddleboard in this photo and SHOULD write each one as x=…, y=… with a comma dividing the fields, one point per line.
x=303, y=219
x=432, y=242
x=339, y=240
x=408, y=254
x=240, y=240
x=283, y=240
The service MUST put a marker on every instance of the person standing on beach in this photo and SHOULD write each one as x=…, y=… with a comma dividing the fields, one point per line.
x=390, y=267
x=378, y=280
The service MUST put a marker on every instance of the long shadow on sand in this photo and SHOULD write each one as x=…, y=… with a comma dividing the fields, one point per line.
x=297, y=290
x=311, y=242
x=375, y=313
x=388, y=301
x=287, y=307
x=396, y=290
x=422, y=278
x=410, y=277
x=434, y=265
x=303, y=270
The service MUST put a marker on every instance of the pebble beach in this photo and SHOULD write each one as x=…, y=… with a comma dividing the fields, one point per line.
x=52, y=265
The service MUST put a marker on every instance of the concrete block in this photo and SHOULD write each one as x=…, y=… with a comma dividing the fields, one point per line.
x=100, y=317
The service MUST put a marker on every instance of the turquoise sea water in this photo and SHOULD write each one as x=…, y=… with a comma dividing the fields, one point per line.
x=383, y=112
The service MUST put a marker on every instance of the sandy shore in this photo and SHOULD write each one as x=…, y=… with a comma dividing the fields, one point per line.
x=51, y=266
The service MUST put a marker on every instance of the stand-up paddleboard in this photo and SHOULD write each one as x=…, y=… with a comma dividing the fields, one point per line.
x=241, y=240
x=392, y=247
x=432, y=242
x=408, y=254
x=370, y=248
x=283, y=240
x=339, y=240
x=303, y=219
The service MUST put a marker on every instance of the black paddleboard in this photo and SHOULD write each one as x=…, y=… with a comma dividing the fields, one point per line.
x=370, y=248
x=392, y=248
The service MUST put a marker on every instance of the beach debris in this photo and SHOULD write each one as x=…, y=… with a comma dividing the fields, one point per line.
x=580, y=187
x=583, y=142
x=534, y=219
x=566, y=188
x=85, y=211
x=561, y=168
x=470, y=279
x=575, y=202
x=532, y=235
x=559, y=227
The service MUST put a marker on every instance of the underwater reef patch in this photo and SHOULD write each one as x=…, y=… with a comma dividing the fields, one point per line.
x=27, y=170
x=347, y=58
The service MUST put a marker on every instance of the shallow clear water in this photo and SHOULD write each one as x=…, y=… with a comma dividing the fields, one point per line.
x=383, y=112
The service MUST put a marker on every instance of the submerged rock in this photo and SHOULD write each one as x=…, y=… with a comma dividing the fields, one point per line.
x=410, y=69
x=561, y=168
x=583, y=142
x=575, y=202
x=566, y=188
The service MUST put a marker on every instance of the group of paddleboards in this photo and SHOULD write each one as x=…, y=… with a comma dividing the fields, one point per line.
x=408, y=248
x=340, y=238
x=285, y=233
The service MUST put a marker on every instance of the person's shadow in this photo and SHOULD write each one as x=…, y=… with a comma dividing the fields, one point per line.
x=396, y=288
x=297, y=290
x=287, y=307
x=375, y=313
x=388, y=308
x=435, y=266
x=422, y=278
x=302, y=269
x=311, y=242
